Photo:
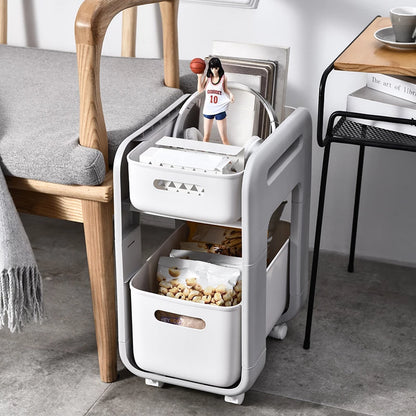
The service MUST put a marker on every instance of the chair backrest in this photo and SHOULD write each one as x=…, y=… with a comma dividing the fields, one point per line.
x=128, y=38
x=3, y=21
x=91, y=24
x=129, y=25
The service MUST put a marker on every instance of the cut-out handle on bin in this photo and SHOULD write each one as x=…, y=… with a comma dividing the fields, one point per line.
x=180, y=320
x=168, y=185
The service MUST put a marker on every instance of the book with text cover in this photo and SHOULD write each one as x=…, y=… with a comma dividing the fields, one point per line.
x=369, y=101
x=398, y=86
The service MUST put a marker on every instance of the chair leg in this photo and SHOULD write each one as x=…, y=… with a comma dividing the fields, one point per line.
x=98, y=228
x=356, y=208
x=322, y=190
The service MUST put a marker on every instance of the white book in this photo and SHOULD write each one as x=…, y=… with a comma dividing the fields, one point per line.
x=398, y=86
x=369, y=101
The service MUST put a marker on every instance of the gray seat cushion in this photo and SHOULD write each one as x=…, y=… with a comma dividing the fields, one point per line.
x=39, y=111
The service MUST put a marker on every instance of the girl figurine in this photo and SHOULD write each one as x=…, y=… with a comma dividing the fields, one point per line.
x=217, y=99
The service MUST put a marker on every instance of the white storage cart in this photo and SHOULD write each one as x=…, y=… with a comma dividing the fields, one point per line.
x=230, y=349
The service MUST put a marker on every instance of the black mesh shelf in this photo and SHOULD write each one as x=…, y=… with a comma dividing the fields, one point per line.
x=351, y=132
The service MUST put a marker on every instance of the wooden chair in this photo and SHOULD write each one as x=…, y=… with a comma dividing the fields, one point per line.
x=92, y=204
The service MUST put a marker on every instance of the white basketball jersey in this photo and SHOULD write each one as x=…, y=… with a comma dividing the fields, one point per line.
x=216, y=100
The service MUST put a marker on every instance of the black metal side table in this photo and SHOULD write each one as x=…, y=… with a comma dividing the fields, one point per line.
x=364, y=54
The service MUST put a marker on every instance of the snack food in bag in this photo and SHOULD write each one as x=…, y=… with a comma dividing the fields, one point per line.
x=213, y=239
x=199, y=281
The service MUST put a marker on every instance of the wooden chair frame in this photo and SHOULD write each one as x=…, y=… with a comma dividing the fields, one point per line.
x=93, y=205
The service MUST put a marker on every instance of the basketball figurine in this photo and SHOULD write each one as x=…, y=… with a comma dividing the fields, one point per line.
x=217, y=98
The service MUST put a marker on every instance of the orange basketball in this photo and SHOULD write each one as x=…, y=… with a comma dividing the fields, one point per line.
x=197, y=65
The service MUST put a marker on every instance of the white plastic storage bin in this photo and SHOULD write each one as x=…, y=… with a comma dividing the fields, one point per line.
x=211, y=355
x=175, y=192
x=161, y=347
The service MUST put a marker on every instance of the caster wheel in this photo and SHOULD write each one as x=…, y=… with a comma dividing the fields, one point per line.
x=279, y=331
x=153, y=383
x=238, y=399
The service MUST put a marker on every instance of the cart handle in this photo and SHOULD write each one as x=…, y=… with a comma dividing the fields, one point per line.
x=190, y=102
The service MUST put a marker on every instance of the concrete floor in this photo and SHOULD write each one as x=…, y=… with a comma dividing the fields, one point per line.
x=361, y=362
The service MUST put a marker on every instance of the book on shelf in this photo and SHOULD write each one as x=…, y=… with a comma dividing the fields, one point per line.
x=369, y=101
x=398, y=86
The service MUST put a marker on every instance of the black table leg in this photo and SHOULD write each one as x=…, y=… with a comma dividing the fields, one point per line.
x=322, y=190
x=356, y=208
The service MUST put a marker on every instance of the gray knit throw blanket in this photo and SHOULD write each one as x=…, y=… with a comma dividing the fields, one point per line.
x=21, y=299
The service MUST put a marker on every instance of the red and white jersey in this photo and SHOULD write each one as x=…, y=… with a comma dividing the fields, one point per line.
x=216, y=100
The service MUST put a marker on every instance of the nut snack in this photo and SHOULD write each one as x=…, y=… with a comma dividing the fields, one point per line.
x=198, y=281
x=213, y=239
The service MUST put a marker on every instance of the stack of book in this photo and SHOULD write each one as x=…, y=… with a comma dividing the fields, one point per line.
x=386, y=95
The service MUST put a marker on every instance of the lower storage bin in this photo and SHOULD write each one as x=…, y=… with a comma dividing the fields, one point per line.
x=193, y=341
x=205, y=347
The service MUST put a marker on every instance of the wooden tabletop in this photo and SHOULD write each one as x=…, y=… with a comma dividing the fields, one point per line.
x=367, y=54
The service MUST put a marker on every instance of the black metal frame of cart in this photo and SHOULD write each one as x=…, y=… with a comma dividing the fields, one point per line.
x=343, y=130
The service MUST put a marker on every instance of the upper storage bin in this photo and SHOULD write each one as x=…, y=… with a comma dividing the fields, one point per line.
x=187, y=179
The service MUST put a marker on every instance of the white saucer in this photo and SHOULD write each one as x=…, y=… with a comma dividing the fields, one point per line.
x=386, y=36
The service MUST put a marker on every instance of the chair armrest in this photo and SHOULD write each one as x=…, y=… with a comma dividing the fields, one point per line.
x=91, y=24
